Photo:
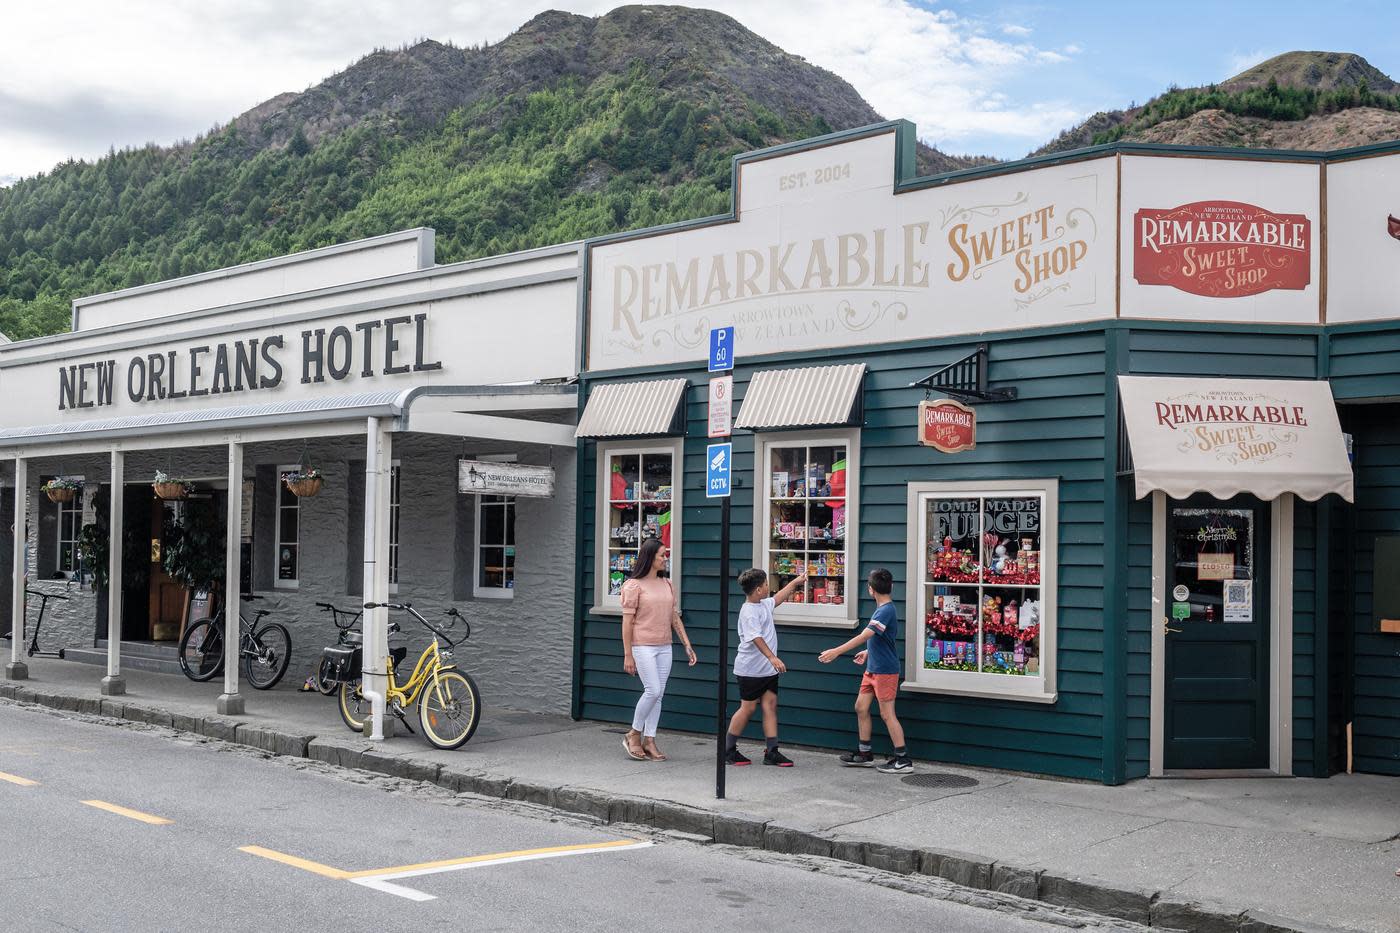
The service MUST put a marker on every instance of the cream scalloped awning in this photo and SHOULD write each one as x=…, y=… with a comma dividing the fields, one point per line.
x=1225, y=437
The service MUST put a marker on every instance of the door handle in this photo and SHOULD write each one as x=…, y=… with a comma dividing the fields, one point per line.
x=1167, y=626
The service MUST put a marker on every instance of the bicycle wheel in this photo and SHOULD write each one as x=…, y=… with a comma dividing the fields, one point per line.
x=354, y=708
x=201, y=650
x=449, y=709
x=324, y=683
x=266, y=657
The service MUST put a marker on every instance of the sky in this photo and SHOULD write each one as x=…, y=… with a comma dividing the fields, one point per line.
x=976, y=77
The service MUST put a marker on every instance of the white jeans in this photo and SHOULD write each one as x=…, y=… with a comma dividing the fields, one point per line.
x=653, y=666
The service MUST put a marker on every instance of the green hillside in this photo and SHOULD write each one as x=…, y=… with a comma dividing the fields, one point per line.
x=571, y=127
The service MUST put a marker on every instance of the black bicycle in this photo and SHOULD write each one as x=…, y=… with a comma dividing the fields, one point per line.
x=265, y=648
x=325, y=677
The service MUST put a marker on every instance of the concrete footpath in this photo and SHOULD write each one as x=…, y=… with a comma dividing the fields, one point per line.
x=1212, y=855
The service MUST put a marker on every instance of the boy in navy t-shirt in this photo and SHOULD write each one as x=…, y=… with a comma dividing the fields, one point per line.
x=881, y=679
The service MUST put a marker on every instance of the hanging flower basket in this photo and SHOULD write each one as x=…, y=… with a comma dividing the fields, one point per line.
x=169, y=488
x=304, y=482
x=61, y=488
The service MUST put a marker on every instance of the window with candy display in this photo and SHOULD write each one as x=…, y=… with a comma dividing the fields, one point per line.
x=638, y=489
x=983, y=592
x=808, y=523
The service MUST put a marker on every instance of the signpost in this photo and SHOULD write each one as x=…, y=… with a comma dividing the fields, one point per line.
x=719, y=463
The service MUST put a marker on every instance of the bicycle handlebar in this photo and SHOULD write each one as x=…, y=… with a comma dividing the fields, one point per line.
x=408, y=607
x=43, y=595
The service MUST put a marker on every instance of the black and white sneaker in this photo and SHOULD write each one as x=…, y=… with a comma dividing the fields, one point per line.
x=897, y=765
x=777, y=758
x=736, y=757
x=858, y=759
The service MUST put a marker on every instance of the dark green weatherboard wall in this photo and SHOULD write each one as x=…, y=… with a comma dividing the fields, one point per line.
x=1055, y=429
x=1365, y=364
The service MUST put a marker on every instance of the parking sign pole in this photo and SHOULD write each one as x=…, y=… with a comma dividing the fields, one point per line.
x=721, y=714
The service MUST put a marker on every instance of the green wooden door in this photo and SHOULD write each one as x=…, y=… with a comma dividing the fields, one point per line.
x=1217, y=634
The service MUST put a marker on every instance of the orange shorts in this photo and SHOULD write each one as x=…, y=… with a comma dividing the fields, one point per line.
x=884, y=686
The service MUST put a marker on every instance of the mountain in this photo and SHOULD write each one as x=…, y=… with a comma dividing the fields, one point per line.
x=572, y=126
x=1298, y=100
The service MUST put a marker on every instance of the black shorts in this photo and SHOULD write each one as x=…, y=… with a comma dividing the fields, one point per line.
x=753, y=688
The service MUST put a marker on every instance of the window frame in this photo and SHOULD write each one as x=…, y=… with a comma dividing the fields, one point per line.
x=277, y=582
x=478, y=590
x=811, y=615
x=75, y=506
x=602, y=601
x=1030, y=688
x=395, y=516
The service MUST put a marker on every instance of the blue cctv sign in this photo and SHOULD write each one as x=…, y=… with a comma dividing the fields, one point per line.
x=718, y=459
x=721, y=349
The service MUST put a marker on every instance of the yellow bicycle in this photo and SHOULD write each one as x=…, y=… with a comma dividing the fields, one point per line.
x=449, y=703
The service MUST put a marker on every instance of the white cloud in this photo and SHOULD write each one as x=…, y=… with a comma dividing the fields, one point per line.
x=86, y=75
x=1237, y=61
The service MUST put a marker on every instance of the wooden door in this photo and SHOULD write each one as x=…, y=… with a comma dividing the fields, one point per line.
x=167, y=598
x=1217, y=634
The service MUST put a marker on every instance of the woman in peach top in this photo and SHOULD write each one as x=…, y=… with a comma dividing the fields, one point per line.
x=649, y=616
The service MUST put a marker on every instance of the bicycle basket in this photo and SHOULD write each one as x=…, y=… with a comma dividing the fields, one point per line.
x=341, y=663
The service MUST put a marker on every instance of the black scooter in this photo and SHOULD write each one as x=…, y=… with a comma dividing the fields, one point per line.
x=38, y=623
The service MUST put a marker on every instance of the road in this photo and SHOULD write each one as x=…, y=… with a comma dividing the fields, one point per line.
x=127, y=827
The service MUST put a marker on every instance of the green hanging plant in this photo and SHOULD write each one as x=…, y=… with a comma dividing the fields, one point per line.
x=194, y=546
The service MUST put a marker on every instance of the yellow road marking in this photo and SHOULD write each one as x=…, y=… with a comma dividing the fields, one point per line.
x=326, y=871
x=130, y=814
x=496, y=857
x=16, y=779
x=292, y=860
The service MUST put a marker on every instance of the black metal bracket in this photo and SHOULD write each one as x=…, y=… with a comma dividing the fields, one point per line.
x=965, y=379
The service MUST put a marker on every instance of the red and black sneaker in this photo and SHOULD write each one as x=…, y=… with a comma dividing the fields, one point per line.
x=736, y=757
x=776, y=758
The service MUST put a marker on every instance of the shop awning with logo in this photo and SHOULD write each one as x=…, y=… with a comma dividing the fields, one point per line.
x=1225, y=437
x=632, y=409
x=813, y=396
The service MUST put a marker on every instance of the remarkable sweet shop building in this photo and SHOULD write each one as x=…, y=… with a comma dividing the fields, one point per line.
x=416, y=390
x=1123, y=423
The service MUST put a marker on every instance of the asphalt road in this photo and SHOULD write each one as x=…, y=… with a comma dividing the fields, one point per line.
x=115, y=828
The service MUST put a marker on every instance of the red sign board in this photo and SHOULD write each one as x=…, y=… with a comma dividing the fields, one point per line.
x=1221, y=249
x=947, y=425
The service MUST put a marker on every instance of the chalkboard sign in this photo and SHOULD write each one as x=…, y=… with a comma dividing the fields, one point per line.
x=1385, y=599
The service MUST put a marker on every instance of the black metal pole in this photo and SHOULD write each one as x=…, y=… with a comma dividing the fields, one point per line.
x=722, y=706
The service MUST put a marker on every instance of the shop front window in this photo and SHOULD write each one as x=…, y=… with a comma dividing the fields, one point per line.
x=807, y=524
x=638, y=500
x=287, y=532
x=495, y=546
x=394, y=527
x=982, y=563
x=70, y=528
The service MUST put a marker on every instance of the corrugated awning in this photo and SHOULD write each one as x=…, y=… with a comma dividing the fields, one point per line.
x=814, y=396
x=631, y=409
x=1226, y=437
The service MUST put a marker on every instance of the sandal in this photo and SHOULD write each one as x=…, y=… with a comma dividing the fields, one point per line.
x=653, y=753
x=627, y=746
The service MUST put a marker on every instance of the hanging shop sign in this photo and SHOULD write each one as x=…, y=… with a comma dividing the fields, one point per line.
x=1221, y=249
x=483, y=477
x=947, y=425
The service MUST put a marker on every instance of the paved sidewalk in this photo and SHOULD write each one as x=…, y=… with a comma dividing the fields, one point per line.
x=1256, y=854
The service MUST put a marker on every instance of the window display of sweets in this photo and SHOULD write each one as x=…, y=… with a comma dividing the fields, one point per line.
x=982, y=585
x=807, y=520
x=639, y=507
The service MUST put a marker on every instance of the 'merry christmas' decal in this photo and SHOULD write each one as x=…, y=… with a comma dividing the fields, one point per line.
x=1221, y=249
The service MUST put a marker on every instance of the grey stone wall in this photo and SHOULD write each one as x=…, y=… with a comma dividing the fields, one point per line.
x=521, y=649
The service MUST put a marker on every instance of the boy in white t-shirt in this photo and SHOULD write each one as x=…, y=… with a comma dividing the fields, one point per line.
x=757, y=665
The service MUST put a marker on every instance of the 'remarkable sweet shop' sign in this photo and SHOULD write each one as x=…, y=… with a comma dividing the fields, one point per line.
x=1221, y=249
x=947, y=426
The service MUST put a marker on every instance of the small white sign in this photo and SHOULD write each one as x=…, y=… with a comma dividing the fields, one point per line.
x=1239, y=601
x=1181, y=593
x=721, y=406
x=482, y=477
